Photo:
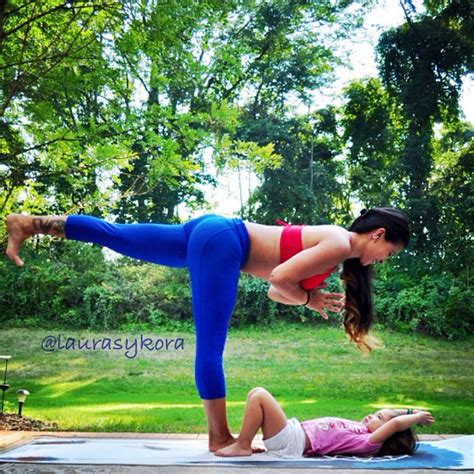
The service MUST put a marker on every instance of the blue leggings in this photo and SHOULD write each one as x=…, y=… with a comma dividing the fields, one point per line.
x=213, y=248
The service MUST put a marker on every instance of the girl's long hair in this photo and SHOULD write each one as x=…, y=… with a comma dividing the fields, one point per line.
x=357, y=279
x=402, y=442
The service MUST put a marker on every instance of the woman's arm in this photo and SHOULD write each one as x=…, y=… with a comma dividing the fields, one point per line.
x=275, y=295
x=315, y=260
x=331, y=301
x=400, y=423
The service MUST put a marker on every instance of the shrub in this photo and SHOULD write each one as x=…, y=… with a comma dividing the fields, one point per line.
x=437, y=305
x=70, y=284
x=50, y=287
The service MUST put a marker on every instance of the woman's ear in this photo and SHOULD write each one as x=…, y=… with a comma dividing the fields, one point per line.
x=377, y=234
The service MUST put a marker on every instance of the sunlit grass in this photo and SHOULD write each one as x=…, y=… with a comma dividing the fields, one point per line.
x=311, y=371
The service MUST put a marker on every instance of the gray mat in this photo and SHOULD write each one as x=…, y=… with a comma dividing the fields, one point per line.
x=454, y=453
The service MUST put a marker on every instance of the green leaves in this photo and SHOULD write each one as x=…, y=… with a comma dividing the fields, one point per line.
x=246, y=155
x=374, y=134
x=119, y=100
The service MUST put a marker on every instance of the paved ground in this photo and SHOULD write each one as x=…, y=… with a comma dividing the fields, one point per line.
x=9, y=439
x=70, y=469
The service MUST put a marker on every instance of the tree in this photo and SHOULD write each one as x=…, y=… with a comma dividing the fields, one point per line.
x=263, y=50
x=422, y=64
x=54, y=134
x=108, y=107
x=452, y=192
x=305, y=189
x=374, y=136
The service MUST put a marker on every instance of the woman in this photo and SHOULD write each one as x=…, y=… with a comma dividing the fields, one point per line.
x=294, y=259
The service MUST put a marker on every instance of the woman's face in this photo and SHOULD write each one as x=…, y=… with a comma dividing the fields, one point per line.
x=377, y=249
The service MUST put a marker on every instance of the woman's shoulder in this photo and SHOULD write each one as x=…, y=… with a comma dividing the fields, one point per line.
x=337, y=230
x=334, y=234
x=333, y=241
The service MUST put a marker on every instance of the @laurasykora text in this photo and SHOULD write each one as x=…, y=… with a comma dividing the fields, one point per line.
x=130, y=346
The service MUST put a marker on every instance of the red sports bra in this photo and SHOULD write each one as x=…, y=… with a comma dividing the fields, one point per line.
x=291, y=244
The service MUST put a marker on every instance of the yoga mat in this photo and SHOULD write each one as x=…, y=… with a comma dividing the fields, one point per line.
x=454, y=453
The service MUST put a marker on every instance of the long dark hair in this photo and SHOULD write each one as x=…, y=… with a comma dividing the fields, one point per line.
x=357, y=279
x=402, y=442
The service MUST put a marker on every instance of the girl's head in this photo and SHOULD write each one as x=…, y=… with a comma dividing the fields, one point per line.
x=401, y=442
x=387, y=232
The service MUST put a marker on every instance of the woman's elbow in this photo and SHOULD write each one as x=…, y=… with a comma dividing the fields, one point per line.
x=276, y=279
x=281, y=284
x=276, y=283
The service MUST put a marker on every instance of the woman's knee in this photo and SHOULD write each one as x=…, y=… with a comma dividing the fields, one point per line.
x=209, y=376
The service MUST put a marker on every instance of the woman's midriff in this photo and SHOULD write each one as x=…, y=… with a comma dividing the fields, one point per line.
x=264, y=253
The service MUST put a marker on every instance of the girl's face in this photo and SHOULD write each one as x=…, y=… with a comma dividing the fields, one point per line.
x=377, y=249
x=374, y=421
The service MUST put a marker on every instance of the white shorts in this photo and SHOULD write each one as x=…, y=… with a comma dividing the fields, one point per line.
x=289, y=442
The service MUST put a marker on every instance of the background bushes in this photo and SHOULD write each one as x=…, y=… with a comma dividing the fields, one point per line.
x=437, y=305
x=72, y=285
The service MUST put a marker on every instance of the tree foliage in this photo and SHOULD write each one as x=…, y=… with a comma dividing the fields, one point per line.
x=115, y=107
x=109, y=106
x=374, y=134
x=422, y=64
x=56, y=136
x=305, y=187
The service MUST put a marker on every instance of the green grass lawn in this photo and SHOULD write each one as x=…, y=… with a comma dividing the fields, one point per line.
x=311, y=371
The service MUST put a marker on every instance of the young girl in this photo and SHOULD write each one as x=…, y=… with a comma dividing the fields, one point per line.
x=384, y=432
x=295, y=260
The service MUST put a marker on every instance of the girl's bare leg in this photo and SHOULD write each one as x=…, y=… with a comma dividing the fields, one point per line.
x=20, y=227
x=261, y=411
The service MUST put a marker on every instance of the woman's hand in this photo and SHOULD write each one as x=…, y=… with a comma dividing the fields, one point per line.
x=424, y=418
x=330, y=301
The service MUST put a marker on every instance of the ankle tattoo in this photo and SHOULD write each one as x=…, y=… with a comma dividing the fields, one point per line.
x=46, y=225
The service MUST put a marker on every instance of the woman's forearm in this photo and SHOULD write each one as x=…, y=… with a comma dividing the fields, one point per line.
x=292, y=292
x=275, y=295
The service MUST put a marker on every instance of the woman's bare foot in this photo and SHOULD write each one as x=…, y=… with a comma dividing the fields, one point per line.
x=215, y=444
x=234, y=449
x=20, y=227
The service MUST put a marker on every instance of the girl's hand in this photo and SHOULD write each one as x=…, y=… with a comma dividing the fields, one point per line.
x=424, y=418
x=331, y=301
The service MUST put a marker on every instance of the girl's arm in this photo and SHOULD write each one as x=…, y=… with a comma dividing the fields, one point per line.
x=400, y=423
